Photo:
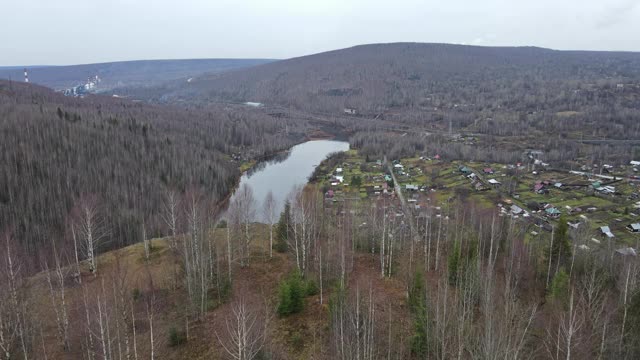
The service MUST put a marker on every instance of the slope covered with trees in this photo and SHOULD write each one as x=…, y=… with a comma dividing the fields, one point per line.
x=126, y=73
x=493, y=90
x=58, y=154
x=463, y=283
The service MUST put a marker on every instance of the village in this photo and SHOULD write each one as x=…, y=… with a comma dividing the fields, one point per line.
x=603, y=202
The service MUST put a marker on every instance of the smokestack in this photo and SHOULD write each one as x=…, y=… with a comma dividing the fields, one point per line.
x=26, y=76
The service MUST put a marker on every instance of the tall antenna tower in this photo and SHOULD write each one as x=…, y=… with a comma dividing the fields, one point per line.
x=26, y=75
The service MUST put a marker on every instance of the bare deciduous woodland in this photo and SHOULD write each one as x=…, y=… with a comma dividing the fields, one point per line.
x=119, y=237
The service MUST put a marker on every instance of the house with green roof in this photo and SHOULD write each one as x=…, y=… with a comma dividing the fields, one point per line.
x=552, y=212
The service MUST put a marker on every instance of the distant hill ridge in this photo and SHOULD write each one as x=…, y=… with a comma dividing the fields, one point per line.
x=125, y=73
x=377, y=77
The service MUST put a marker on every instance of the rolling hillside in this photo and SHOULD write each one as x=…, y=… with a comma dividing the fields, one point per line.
x=126, y=73
x=371, y=78
x=58, y=151
x=498, y=91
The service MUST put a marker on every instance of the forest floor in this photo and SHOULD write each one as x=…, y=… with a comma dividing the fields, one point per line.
x=305, y=335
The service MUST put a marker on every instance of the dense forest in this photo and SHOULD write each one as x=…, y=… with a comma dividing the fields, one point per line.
x=114, y=75
x=60, y=152
x=499, y=91
x=349, y=280
x=118, y=239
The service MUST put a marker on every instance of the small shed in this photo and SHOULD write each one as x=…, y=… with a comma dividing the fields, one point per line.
x=516, y=210
x=606, y=231
x=634, y=227
x=628, y=251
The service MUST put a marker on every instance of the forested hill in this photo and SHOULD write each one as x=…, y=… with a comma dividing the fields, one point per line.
x=140, y=73
x=425, y=81
x=59, y=152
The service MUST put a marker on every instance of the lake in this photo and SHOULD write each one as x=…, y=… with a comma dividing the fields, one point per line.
x=286, y=171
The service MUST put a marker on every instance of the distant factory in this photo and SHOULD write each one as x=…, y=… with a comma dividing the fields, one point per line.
x=89, y=86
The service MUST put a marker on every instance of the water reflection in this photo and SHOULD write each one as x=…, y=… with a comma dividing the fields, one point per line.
x=282, y=173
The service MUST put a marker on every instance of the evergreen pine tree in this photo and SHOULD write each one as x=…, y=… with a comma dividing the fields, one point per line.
x=418, y=308
x=282, y=228
x=454, y=264
x=559, y=291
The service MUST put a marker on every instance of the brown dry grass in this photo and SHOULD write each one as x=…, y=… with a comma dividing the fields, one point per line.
x=301, y=336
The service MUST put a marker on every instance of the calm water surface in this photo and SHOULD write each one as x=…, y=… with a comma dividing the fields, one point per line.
x=282, y=174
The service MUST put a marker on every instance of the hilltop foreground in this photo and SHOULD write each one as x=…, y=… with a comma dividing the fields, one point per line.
x=133, y=301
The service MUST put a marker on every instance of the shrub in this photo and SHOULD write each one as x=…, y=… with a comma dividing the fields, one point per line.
x=176, y=338
x=297, y=341
x=136, y=294
x=356, y=181
x=311, y=288
x=225, y=289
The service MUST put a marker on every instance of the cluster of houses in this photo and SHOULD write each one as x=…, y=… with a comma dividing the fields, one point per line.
x=543, y=186
x=633, y=228
x=515, y=211
x=476, y=182
x=337, y=178
x=606, y=190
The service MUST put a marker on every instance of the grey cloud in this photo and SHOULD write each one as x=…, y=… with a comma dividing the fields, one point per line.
x=617, y=13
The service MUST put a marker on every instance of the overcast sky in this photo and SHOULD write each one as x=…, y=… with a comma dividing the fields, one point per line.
x=86, y=31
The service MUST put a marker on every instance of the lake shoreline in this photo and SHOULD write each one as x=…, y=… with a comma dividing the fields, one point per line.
x=282, y=171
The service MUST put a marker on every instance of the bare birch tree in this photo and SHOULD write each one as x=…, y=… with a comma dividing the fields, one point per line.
x=12, y=320
x=246, y=332
x=197, y=251
x=269, y=212
x=91, y=230
x=170, y=216
x=59, y=300
x=243, y=206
